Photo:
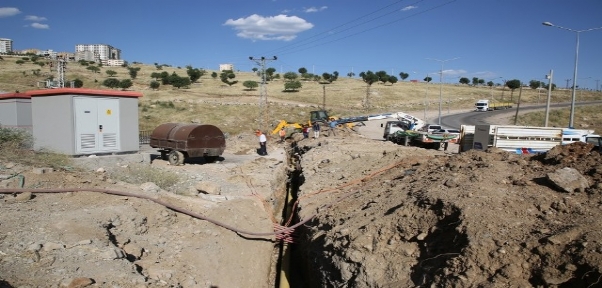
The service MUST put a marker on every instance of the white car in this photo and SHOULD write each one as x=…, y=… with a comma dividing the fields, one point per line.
x=447, y=131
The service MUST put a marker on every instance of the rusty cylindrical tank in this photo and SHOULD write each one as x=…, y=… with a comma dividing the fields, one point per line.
x=191, y=140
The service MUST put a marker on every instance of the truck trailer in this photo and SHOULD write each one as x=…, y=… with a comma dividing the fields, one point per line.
x=488, y=105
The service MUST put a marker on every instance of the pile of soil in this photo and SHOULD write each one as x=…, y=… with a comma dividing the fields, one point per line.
x=477, y=219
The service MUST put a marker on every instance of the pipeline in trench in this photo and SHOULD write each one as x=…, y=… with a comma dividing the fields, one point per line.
x=289, y=273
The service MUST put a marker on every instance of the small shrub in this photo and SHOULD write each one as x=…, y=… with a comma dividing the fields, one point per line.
x=16, y=145
x=15, y=138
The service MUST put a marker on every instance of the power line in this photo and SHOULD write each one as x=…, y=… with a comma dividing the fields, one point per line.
x=297, y=46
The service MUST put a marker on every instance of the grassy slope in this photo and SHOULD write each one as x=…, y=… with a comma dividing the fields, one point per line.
x=236, y=110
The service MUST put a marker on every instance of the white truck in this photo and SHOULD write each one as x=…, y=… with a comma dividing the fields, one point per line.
x=522, y=139
x=488, y=105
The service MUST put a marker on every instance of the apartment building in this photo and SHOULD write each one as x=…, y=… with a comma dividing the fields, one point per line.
x=6, y=45
x=223, y=67
x=96, y=52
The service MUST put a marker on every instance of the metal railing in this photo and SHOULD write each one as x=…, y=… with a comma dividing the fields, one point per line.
x=144, y=137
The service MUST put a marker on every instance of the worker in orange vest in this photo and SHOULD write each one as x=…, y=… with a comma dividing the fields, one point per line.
x=282, y=134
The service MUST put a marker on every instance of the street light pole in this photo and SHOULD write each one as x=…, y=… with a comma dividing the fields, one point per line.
x=577, y=32
x=549, y=77
x=426, y=94
x=441, y=84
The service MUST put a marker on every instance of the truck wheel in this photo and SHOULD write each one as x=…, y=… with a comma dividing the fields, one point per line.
x=176, y=158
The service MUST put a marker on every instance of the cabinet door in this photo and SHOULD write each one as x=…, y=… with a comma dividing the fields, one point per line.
x=108, y=124
x=96, y=124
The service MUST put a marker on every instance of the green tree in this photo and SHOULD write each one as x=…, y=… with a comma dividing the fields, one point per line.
x=290, y=76
x=382, y=76
x=195, y=73
x=180, y=82
x=369, y=78
x=327, y=77
x=77, y=83
x=404, y=76
x=154, y=85
x=292, y=86
x=490, y=84
x=481, y=81
x=254, y=69
x=302, y=70
x=350, y=74
x=214, y=74
x=83, y=62
x=427, y=79
x=226, y=76
x=250, y=84
x=513, y=84
x=475, y=81
x=20, y=62
x=125, y=84
x=464, y=80
x=42, y=64
x=269, y=74
x=392, y=79
x=93, y=69
x=111, y=73
x=133, y=71
x=111, y=83
x=155, y=75
x=534, y=84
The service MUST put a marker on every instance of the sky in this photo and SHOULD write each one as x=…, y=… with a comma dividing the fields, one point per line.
x=494, y=40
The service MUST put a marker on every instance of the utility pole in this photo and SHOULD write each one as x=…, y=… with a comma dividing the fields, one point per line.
x=324, y=97
x=549, y=77
x=263, y=94
x=61, y=65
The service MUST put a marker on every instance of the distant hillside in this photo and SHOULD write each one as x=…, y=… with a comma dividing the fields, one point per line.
x=236, y=108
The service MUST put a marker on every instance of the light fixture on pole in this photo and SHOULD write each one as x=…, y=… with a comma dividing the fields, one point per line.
x=441, y=84
x=572, y=115
x=549, y=77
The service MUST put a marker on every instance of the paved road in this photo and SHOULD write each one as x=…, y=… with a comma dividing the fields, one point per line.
x=475, y=118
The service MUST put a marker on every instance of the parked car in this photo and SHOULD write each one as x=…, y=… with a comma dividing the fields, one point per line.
x=430, y=128
x=447, y=131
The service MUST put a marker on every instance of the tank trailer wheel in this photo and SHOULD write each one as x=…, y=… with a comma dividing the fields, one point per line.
x=176, y=158
x=164, y=155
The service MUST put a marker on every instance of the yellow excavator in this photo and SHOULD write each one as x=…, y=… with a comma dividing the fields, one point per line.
x=287, y=126
x=314, y=116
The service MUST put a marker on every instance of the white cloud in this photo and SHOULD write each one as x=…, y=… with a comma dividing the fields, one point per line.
x=280, y=27
x=314, y=9
x=35, y=18
x=40, y=26
x=407, y=8
x=8, y=11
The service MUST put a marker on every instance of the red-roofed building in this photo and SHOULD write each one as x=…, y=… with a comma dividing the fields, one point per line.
x=15, y=111
x=77, y=121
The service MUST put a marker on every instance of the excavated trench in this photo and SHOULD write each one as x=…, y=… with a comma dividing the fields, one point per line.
x=326, y=257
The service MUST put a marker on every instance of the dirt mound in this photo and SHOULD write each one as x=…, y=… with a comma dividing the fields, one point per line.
x=478, y=219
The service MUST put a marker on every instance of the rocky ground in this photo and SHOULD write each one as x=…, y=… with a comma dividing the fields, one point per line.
x=368, y=214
